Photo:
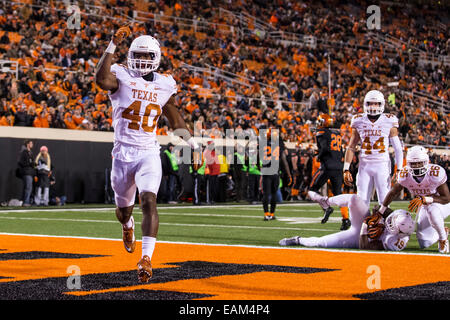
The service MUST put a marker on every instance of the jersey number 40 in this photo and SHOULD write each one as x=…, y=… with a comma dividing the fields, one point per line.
x=132, y=113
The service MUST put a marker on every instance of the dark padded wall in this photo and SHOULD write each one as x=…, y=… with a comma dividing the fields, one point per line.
x=79, y=167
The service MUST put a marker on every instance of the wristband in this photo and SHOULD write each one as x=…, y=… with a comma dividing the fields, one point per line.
x=428, y=200
x=111, y=47
x=346, y=166
x=382, y=209
x=192, y=143
x=363, y=230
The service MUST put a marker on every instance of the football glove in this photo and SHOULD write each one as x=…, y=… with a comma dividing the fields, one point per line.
x=121, y=34
x=124, y=31
x=374, y=219
x=375, y=231
x=418, y=201
x=348, y=179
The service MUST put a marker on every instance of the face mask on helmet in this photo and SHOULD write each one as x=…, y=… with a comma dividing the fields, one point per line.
x=144, y=55
x=417, y=161
x=374, y=103
x=417, y=168
x=400, y=222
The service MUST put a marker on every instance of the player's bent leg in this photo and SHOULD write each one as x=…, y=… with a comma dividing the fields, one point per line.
x=358, y=210
x=344, y=239
x=436, y=216
x=425, y=233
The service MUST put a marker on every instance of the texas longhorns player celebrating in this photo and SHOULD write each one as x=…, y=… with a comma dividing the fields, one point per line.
x=139, y=96
x=428, y=183
x=374, y=129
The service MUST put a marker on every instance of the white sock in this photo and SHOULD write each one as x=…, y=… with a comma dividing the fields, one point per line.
x=130, y=223
x=309, y=242
x=341, y=200
x=148, y=246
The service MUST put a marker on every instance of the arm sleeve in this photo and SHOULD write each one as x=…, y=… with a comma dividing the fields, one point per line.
x=398, y=150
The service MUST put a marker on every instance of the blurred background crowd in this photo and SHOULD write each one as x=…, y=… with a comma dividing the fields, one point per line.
x=240, y=65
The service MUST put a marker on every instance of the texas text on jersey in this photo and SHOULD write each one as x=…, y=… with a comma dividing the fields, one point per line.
x=434, y=177
x=137, y=105
x=374, y=135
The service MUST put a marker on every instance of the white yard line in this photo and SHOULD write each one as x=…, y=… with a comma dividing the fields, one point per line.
x=241, y=246
x=164, y=223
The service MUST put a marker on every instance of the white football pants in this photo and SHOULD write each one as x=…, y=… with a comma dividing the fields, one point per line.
x=144, y=174
x=430, y=223
x=370, y=175
x=358, y=211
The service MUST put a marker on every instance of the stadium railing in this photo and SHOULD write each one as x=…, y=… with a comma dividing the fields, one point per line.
x=9, y=66
x=441, y=104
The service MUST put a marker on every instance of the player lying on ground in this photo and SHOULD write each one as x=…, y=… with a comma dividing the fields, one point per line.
x=428, y=184
x=366, y=231
x=139, y=96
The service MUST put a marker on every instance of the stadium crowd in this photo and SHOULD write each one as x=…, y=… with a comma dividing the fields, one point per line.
x=268, y=84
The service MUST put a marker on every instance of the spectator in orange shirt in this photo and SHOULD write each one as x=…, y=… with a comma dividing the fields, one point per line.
x=70, y=124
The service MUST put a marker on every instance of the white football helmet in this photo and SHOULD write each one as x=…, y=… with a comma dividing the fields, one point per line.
x=144, y=44
x=417, y=160
x=400, y=222
x=374, y=96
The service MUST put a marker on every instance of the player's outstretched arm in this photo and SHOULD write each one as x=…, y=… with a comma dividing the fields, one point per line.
x=104, y=78
x=444, y=194
x=176, y=121
x=171, y=112
x=371, y=229
x=365, y=244
x=442, y=198
x=349, y=154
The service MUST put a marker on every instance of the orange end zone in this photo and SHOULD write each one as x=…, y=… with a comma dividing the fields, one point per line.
x=230, y=272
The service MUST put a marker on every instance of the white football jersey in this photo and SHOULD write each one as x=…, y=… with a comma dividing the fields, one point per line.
x=374, y=135
x=434, y=177
x=137, y=105
x=393, y=242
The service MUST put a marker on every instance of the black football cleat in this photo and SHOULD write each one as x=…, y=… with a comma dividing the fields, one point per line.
x=346, y=224
x=328, y=212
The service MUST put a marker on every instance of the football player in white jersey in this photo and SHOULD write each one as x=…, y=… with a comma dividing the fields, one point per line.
x=367, y=231
x=373, y=129
x=139, y=96
x=428, y=184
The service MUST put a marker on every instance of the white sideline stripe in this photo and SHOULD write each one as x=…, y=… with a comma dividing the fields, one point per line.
x=163, y=223
x=238, y=245
x=243, y=207
x=290, y=220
